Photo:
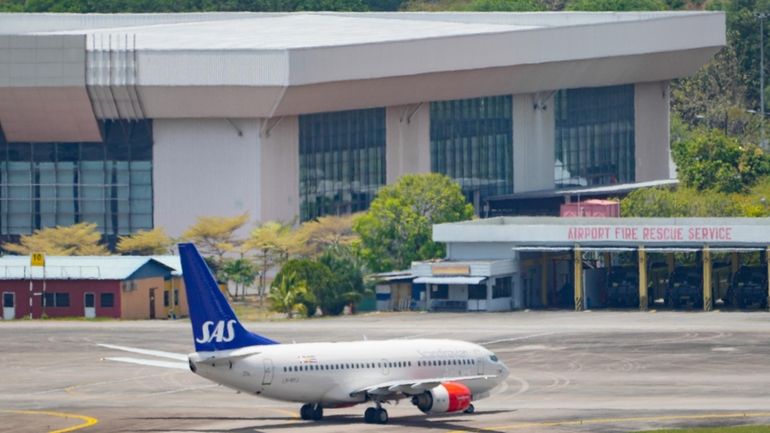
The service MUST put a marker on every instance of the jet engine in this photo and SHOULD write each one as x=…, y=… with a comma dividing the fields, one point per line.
x=447, y=397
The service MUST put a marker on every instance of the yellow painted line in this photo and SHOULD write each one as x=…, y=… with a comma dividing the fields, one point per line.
x=291, y=413
x=595, y=421
x=71, y=390
x=87, y=420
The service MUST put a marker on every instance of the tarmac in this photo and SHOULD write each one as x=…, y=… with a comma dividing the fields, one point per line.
x=582, y=372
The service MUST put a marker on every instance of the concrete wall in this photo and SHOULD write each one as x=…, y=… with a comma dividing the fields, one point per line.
x=76, y=289
x=135, y=302
x=533, y=142
x=653, y=153
x=203, y=167
x=279, y=169
x=480, y=251
x=407, y=138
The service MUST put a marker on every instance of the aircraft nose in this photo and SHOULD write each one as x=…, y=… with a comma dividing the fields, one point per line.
x=504, y=372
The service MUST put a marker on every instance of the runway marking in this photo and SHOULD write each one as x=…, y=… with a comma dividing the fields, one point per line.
x=595, y=421
x=88, y=421
x=291, y=413
x=523, y=337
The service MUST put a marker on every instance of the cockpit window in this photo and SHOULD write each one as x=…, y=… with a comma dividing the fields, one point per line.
x=493, y=358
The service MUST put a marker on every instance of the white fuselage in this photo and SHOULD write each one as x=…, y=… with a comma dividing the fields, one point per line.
x=331, y=373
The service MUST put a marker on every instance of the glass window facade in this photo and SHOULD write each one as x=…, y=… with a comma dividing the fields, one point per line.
x=108, y=183
x=341, y=161
x=594, y=136
x=471, y=141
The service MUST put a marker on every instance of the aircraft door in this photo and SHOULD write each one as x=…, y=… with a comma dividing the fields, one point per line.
x=384, y=366
x=89, y=301
x=9, y=305
x=480, y=366
x=267, y=379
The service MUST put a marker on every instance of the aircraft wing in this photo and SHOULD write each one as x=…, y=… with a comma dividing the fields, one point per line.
x=151, y=362
x=414, y=386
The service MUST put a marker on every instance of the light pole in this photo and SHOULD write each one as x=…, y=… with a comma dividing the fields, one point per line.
x=762, y=17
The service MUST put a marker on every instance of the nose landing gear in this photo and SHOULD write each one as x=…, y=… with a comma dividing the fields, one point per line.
x=376, y=415
x=312, y=412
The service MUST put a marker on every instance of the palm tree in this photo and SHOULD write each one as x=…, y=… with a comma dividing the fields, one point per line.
x=287, y=296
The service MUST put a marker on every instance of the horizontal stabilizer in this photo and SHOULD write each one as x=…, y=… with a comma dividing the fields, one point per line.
x=158, y=353
x=151, y=362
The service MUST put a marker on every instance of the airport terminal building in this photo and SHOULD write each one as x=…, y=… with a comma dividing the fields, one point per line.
x=150, y=120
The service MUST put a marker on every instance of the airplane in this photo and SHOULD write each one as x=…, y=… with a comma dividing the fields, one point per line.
x=438, y=376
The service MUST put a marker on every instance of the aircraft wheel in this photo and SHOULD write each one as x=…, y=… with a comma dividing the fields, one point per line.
x=369, y=415
x=306, y=412
x=381, y=416
x=317, y=412
x=470, y=409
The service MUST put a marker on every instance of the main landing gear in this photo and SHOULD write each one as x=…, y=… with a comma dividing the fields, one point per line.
x=312, y=412
x=376, y=415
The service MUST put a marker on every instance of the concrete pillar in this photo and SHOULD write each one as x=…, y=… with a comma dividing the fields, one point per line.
x=707, y=295
x=651, y=131
x=670, y=262
x=533, y=141
x=279, y=169
x=544, y=280
x=578, y=278
x=643, y=298
x=427, y=296
x=490, y=284
x=735, y=263
x=407, y=140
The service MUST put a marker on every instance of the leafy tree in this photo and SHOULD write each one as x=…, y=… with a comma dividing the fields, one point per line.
x=398, y=226
x=145, y=242
x=273, y=242
x=82, y=239
x=504, y=6
x=318, y=278
x=475, y=5
x=715, y=96
x=215, y=235
x=681, y=202
x=325, y=232
x=290, y=296
x=743, y=36
x=241, y=272
x=712, y=160
x=348, y=278
x=617, y=5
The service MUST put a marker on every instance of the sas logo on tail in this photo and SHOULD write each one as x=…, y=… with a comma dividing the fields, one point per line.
x=218, y=333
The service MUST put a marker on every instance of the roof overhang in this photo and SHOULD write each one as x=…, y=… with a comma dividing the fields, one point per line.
x=267, y=65
x=605, y=233
x=449, y=280
x=43, y=95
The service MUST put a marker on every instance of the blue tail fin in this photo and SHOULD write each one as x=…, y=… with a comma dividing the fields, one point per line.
x=215, y=326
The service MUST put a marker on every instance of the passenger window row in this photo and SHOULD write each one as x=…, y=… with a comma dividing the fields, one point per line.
x=442, y=362
x=356, y=365
x=370, y=365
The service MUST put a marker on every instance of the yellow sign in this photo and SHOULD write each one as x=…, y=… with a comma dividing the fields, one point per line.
x=37, y=259
x=450, y=270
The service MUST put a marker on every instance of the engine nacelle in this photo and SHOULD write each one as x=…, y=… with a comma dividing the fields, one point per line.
x=447, y=397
